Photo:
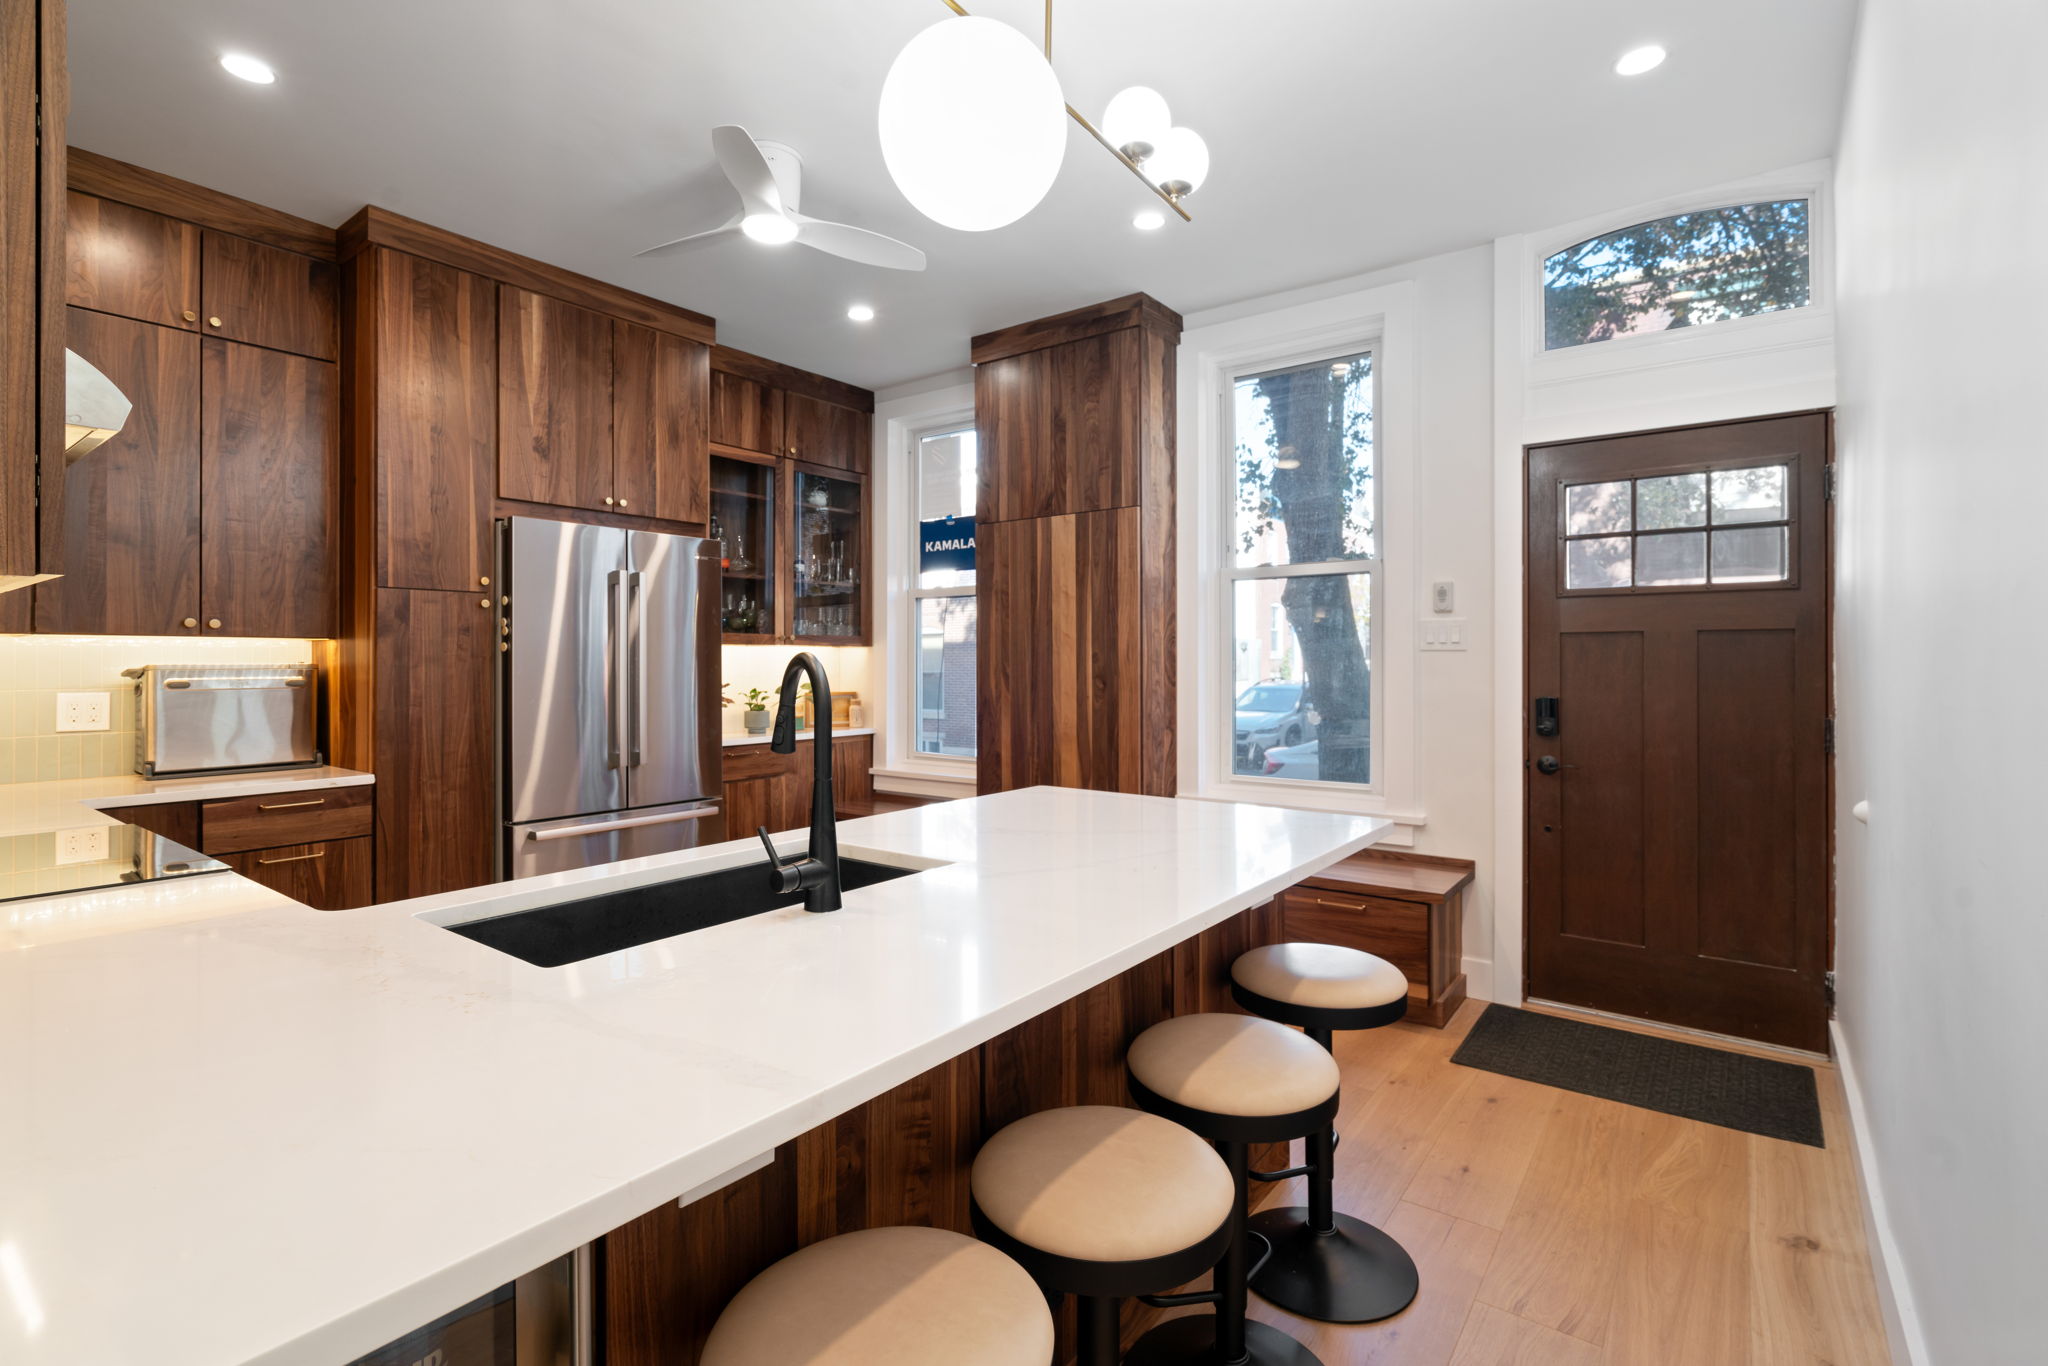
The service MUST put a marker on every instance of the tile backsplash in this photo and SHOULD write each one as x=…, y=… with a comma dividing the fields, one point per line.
x=34, y=669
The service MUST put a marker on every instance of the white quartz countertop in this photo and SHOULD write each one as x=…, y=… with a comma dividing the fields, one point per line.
x=276, y=1135
x=731, y=739
x=37, y=808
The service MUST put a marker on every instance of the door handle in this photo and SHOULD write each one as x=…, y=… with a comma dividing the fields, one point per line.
x=570, y=832
x=636, y=645
x=613, y=680
x=1548, y=764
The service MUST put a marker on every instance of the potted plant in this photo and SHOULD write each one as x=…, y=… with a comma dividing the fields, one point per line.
x=755, y=718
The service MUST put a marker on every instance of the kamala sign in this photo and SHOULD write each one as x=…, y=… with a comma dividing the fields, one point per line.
x=946, y=543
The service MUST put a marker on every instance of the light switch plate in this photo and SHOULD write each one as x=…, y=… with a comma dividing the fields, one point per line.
x=81, y=711
x=86, y=844
x=1443, y=633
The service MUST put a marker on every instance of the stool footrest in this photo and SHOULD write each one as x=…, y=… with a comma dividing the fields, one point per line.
x=1284, y=1174
x=1178, y=1301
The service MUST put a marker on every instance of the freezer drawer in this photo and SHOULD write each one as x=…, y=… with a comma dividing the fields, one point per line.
x=585, y=841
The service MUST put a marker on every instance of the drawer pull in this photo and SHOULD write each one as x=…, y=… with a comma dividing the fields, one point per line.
x=1340, y=905
x=286, y=806
x=292, y=858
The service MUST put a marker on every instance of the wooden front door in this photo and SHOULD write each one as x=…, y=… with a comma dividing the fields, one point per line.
x=1678, y=839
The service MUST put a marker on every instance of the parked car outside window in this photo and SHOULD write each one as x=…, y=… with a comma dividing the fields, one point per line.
x=1269, y=714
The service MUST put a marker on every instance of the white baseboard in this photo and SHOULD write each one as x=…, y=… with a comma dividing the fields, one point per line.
x=1479, y=979
x=1894, y=1291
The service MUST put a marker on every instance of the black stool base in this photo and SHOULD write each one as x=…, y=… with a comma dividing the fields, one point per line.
x=1190, y=1340
x=1354, y=1275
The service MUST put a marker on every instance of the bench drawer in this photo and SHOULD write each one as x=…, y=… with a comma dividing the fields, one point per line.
x=278, y=818
x=1397, y=931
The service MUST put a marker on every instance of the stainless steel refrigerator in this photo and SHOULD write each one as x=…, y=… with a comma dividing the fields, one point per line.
x=609, y=696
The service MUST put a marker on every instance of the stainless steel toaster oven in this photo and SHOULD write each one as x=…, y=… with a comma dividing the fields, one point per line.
x=214, y=718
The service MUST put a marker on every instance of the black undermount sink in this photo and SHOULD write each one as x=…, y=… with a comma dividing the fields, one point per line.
x=571, y=931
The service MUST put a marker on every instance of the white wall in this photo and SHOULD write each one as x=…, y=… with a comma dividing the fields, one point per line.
x=1447, y=306
x=1942, y=186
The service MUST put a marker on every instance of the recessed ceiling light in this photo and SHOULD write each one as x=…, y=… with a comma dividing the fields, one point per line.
x=1636, y=61
x=248, y=68
x=861, y=313
x=1148, y=220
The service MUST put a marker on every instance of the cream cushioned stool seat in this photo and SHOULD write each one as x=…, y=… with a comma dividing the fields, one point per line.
x=1320, y=977
x=1235, y=1080
x=1324, y=1264
x=1101, y=1202
x=886, y=1297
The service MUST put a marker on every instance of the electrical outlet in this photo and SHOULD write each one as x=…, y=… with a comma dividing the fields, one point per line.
x=81, y=711
x=86, y=844
x=1443, y=634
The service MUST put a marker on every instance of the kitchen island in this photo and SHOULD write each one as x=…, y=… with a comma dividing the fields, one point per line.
x=275, y=1135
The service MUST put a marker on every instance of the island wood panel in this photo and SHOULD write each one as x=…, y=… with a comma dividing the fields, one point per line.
x=268, y=297
x=270, y=491
x=332, y=875
x=1064, y=695
x=429, y=375
x=175, y=821
x=554, y=401
x=902, y=1158
x=127, y=513
x=432, y=737
x=106, y=178
x=661, y=458
x=131, y=262
x=745, y=413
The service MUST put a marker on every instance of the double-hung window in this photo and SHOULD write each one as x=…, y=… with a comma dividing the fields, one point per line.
x=942, y=595
x=1304, y=573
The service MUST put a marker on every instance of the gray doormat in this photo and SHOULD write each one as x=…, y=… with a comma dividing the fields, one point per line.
x=1733, y=1090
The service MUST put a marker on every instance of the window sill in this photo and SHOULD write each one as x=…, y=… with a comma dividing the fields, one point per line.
x=934, y=780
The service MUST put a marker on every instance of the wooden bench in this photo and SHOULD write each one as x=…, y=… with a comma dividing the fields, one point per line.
x=1407, y=908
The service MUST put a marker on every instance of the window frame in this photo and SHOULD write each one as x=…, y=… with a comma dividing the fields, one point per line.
x=1379, y=319
x=918, y=595
x=1372, y=566
x=1794, y=522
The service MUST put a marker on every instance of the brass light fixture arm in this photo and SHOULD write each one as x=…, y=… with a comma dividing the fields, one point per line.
x=1093, y=132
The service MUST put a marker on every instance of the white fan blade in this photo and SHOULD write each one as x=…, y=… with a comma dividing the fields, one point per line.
x=746, y=168
x=730, y=225
x=857, y=244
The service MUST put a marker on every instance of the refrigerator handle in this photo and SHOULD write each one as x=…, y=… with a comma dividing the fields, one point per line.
x=613, y=674
x=636, y=638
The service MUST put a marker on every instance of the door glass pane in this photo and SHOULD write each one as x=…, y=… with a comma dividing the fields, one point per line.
x=743, y=524
x=1671, y=501
x=1304, y=468
x=828, y=557
x=1750, y=555
x=1601, y=563
x=945, y=676
x=946, y=475
x=1590, y=509
x=1752, y=495
x=1303, y=709
x=1675, y=557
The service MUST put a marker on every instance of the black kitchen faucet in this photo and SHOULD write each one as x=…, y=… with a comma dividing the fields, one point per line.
x=816, y=874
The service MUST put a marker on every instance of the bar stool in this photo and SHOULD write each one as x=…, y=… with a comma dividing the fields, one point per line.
x=886, y=1297
x=1102, y=1203
x=1235, y=1080
x=1325, y=1265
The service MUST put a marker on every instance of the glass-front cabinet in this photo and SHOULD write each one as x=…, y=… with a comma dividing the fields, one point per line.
x=830, y=568
x=793, y=544
x=745, y=506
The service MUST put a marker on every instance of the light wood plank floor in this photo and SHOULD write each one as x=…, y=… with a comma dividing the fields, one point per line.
x=1553, y=1229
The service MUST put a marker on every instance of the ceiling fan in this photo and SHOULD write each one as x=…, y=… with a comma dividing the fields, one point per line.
x=769, y=177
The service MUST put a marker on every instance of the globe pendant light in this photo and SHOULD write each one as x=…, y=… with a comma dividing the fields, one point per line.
x=973, y=124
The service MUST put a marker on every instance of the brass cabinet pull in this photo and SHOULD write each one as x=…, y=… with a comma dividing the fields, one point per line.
x=213, y=322
x=285, y=806
x=191, y=621
x=292, y=858
x=213, y=622
x=608, y=500
x=189, y=316
x=1339, y=905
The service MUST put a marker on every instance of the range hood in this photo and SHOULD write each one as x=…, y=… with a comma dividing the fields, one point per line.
x=94, y=407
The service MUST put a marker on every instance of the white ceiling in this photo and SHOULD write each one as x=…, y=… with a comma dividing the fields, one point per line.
x=1346, y=134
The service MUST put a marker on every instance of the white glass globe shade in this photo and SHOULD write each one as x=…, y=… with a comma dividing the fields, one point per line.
x=1182, y=160
x=973, y=124
x=1136, y=118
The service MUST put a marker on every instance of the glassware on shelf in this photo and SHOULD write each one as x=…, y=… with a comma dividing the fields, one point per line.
x=741, y=563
